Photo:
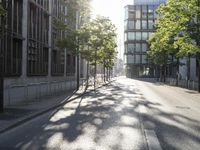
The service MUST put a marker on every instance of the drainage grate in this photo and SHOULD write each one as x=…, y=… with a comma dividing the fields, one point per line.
x=182, y=107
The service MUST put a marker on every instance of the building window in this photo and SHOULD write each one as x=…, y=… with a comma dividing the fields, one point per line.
x=38, y=51
x=138, y=12
x=17, y=18
x=11, y=43
x=131, y=35
x=144, y=24
x=138, y=35
x=131, y=25
x=130, y=59
x=71, y=62
x=57, y=64
x=144, y=12
x=37, y=59
x=131, y=47
x=144, y=59
x=144, y=47
x=150, y=12
x=151, y=24
x=138, y=47
x=144, y=35
x=131, y=13
x=137, y=59
x=13, y=58
x=138, y=24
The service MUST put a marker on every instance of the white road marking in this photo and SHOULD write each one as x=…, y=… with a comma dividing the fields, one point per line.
x=152, y=140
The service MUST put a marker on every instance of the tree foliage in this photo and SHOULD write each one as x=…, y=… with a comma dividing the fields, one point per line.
x=2, y=10
x=78, y=11
x=177, y=29
x=100, y=39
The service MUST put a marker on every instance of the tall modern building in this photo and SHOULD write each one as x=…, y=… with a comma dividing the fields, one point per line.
x=139, y=25
x=33, y=65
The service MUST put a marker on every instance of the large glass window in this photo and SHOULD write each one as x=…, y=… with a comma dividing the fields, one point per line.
x=137, y=47
x=137, y=59
x=144, y=12
x=151, y=23
x=131, y=13
x=131, y=47
x=144, y=24
x=138, y=24
x=138, y=35
x=131, y=25
x=150, y=12
x=144, y=47
x=17, y=19
x=144, y=35
x=130, y=59
x=144, y=59
x=131, y=35
x=138, y=12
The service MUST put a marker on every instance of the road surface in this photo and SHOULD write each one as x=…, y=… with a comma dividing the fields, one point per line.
x=124, y=115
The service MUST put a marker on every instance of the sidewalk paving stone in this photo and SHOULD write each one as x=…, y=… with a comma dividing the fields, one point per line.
x=15, y=115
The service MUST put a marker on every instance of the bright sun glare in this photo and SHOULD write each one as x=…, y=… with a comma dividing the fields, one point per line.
x=114, y=9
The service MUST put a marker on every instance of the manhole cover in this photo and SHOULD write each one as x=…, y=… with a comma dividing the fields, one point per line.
x=182, y=107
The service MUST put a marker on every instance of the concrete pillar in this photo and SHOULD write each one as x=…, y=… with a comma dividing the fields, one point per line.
x=50, y=37
x=25, y=41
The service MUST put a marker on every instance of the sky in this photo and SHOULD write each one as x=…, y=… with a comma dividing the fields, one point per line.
x=114, y=9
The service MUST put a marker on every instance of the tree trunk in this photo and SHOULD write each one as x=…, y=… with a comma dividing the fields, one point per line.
x=188, y=71
x=199, y=76
x=95, y=69
x=78, y=76
x=87, y=76
x=160, y=73
x=104, y=72
x=164, y=76
x=177, y=71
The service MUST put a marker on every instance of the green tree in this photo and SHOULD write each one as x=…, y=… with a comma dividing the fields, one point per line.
x=97, y=42
x=178, y=26
x=103, y=42
x=78, y=12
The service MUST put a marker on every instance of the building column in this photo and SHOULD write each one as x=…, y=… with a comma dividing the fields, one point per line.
x=50, y=38
x=25, y=36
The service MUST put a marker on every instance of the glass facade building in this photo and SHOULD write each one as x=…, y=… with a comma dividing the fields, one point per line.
x=138, y=27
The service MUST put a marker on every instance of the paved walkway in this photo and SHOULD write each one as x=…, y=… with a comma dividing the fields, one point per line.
x=17, y=114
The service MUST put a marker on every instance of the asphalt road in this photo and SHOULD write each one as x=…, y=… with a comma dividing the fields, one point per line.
x=173, y=113
x=125, y=115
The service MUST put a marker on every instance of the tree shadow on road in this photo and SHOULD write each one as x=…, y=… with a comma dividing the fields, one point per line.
x=105, y=119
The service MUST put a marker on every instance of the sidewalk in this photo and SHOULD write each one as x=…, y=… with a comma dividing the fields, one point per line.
x=18, y=114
